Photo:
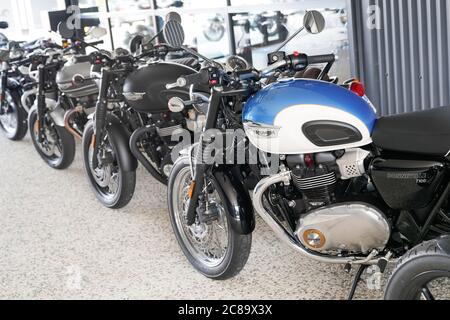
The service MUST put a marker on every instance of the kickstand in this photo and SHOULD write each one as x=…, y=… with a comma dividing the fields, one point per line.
x=356, y=281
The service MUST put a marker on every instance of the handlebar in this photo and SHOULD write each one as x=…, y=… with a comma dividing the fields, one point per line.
x=210, y=76
x=273, y=67
x=82, y=59
x=325, y=58
x=82, y=45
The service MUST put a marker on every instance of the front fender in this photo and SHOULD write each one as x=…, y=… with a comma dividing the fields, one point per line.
x=236, y=199
x=120, y=137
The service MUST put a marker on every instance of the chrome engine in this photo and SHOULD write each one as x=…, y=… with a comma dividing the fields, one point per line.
x=350, y=228
x=328, y=226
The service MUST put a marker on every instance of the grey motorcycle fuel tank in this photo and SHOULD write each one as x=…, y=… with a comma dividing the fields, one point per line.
x=76, y=90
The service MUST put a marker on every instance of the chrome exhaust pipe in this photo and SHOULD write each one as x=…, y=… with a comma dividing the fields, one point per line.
x=67, y=116
x=282, y=234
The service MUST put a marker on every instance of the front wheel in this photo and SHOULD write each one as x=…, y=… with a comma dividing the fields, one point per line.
x=211, y=246
x=13, y=118
x=423, y=273
x=58, y=146
x=112, y=184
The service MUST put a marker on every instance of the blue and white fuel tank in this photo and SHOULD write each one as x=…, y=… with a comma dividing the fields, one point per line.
x=299, y=116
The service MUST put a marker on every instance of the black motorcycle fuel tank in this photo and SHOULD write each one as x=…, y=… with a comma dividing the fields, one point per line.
x=407, y=184
x=145, y=89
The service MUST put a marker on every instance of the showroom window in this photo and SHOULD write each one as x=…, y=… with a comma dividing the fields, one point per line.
x=218, y=28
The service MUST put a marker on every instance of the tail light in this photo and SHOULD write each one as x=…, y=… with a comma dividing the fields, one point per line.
x=358, y=88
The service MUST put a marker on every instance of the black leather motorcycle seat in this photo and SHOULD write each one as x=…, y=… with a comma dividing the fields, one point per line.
x=423, y=132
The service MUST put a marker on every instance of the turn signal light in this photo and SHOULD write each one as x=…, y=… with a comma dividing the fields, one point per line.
x=358, y=88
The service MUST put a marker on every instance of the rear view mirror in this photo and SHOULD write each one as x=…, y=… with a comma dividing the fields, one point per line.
x=173, y=16
x=4, y=25
x=97, y=32
x=64, y=30
x=174, y=33
x=136, y=43
x=314, y=22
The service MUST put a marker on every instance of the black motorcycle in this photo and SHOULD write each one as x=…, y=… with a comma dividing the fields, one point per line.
x=133, y=122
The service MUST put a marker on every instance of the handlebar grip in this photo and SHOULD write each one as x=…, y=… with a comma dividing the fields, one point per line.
x=325, y=58
x=82, y=59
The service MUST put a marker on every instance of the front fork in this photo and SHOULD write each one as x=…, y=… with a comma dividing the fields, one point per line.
x=100, y=115
x=41, y=105
x=197, y=184
x=3, y=85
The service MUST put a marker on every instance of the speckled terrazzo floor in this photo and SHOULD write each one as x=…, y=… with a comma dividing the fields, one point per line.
x=58, y=242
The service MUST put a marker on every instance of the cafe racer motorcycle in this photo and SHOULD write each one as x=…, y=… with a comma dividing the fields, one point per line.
x=350, y=188
x=133, y=122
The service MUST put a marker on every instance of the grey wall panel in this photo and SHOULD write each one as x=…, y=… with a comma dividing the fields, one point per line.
x=404, y=64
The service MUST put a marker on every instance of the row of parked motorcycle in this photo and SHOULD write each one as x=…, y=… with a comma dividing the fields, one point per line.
x=333, y=181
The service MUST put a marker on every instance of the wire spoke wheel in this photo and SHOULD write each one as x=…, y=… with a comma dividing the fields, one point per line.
x=9, y=118
x=212, y=244
x=206, y=241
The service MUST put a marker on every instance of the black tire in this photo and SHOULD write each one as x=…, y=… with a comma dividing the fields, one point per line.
x=20, y=127
x=417, y=268
x=238, y=248
x=126, y=179
x=66, y=142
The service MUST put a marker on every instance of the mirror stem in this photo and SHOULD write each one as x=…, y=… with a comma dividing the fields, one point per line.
x=290, y=38
x=195, y=53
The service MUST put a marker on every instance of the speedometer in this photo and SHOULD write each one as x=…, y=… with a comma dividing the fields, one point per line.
x=237, y=63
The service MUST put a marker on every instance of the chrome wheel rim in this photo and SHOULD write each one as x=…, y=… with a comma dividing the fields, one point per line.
x=106, y=177
x=9, y=120
x=51, y=147
x=206, y=242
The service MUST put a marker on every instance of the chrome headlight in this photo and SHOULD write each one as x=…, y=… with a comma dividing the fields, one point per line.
x=261, y=130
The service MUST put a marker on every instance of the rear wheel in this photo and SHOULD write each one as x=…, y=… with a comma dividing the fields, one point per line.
x=13, y=119
x=112, y=184
x=211, y=246
x=423, y=273
x=58, y=147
